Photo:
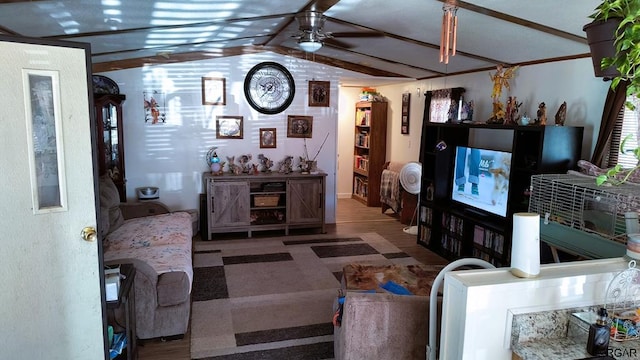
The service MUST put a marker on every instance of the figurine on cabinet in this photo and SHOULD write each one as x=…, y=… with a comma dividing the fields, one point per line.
x=286, y=165
x=232, y=164
x=512, y=116
x=245, y=166
x=266, y=163
x=542, y=114
x=561, y=115
x=214, y=163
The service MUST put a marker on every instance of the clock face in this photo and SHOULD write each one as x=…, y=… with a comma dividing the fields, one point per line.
x=269, y=88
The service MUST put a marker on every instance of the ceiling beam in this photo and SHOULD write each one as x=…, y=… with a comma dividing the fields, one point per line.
x=414, y=41
x=173, y=58
x=516, y=20
x=172, y=49
x=240, y=50
x=526, y=63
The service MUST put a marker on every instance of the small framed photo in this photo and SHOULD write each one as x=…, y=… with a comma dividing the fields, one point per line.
x=229, y=127
x=406, y=98
x=213, y=91
x=319, y=94
x=268, y=138
x=299, y=126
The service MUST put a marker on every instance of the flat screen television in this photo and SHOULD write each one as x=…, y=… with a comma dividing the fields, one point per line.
x=481, y=179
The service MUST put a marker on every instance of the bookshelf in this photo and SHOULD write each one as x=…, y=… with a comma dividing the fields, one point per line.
x=369, y=151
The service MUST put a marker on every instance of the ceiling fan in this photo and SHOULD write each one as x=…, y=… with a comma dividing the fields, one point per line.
x=311, y=35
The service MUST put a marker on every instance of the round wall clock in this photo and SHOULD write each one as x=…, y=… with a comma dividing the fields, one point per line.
x=269, y=87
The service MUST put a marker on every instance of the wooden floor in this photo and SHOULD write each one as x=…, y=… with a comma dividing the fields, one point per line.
x=351, y=217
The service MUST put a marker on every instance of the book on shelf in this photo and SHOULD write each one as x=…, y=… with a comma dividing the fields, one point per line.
x=363, y=117
x=361, y=162
x=425, y=234
x=362, y=139
x=360, y=186
x=426, y=215
x=478, y=235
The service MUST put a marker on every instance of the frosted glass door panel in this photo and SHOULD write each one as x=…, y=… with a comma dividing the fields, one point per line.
x=46, y=157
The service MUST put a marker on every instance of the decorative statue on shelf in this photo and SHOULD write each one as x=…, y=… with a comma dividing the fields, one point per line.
x=467, y=111
x=286, y=165
x=266, y=163
x=303, y=165
x=500, y=79
x=542, y=114
x=214, y=162
x=245, y=166
x=561, y=115
x=513, y=108
x=233, y=168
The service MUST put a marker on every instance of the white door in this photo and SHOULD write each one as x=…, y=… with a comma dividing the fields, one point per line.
x=50, y=298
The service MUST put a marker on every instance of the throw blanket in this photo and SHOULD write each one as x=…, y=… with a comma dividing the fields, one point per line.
x=390, y=190
x=163, y=241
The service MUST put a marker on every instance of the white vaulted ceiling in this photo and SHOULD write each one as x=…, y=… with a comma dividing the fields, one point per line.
x=125, y=33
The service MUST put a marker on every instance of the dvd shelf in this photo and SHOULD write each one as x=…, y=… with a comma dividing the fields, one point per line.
x=426, y=224
x=488, y=245
x=369, y=151
x=453, y=234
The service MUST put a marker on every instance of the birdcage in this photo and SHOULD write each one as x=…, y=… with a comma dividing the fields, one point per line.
x=576, y=201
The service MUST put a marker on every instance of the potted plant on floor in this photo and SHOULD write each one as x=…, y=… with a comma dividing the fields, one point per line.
x=616, y=24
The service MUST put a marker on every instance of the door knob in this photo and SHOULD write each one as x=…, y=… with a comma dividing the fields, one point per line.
x=89, y=233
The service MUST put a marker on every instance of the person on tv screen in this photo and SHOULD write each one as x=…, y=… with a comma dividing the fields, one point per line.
x=474, y=169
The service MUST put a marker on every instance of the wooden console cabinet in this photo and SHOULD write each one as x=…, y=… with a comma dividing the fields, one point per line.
x=267, y=201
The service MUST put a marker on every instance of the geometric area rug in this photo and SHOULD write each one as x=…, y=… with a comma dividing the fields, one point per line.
x=273, y=298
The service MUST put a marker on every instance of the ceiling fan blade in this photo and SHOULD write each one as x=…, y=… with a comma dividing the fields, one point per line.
x=321, y=5
x=356, y=34
x=337, y=43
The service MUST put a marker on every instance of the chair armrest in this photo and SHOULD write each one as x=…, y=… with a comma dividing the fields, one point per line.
x=141, y=209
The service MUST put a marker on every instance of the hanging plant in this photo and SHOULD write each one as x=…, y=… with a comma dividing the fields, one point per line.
x=626, y=58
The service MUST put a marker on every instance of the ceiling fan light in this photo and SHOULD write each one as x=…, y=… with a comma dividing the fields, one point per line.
x=310, y=45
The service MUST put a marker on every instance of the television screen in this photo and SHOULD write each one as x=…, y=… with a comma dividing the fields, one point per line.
x=481, y=179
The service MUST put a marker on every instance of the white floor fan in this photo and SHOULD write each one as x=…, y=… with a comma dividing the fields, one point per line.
x=410, y=176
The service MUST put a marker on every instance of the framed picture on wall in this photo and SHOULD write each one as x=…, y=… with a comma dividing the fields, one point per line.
x=319, y=94
x=213, y=91
x=229, y=127
x=404, y=126
x=268, y=138
x=299, y=126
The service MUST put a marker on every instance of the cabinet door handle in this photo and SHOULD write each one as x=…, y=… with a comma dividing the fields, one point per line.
x=213, y=209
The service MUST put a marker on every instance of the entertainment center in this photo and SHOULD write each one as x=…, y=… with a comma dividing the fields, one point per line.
x=458, y=222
